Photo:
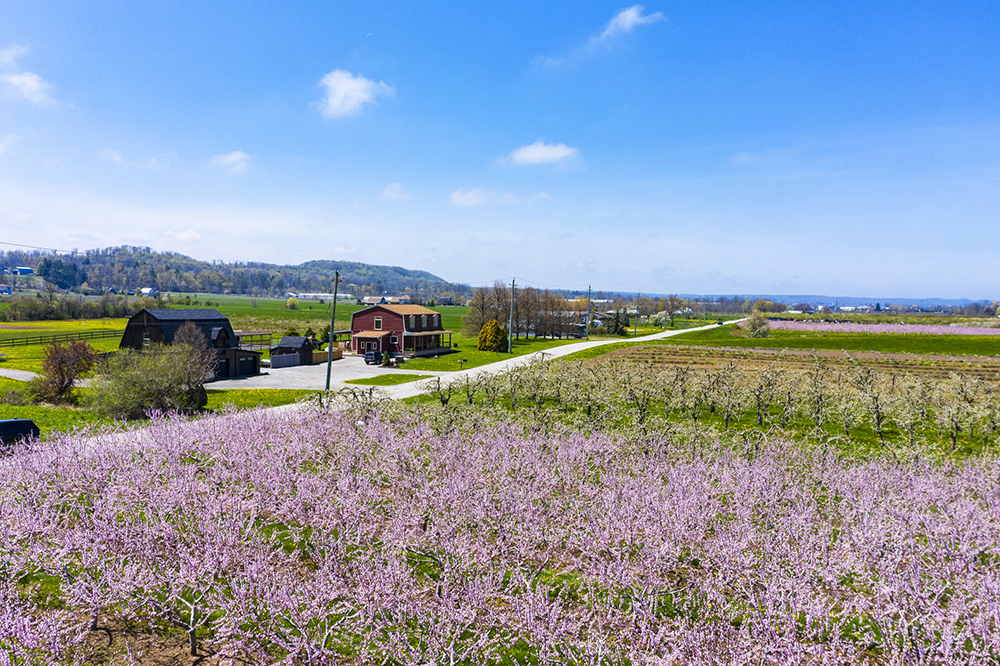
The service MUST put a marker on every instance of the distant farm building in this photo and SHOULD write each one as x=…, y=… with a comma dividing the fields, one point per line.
x=23, y=270
x=154, y=326
x=411, y=330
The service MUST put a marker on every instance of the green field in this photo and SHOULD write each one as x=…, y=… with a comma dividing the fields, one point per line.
x=730, y=336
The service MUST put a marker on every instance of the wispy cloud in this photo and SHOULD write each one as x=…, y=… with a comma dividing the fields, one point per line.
x=26, y=85
x=344, y=250
x=542, y=153
x=116, y=158
x=766, y=157
x=622, y=23
x=234, y=162
x=474, y=197
x=7, y=141
x=30, y=86
x=347, y=93
x=9, y=55
x=477, y=196
x=185, y=235
x=396, y=192
x=626, y=20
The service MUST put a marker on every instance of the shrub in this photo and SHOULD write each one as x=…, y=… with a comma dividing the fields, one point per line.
x=292, y=303
x=62, y=366
x=756, y=325
x=166, y=378
x=492, y=337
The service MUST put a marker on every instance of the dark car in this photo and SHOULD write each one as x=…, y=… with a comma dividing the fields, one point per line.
x=373, y=357
x=14, y=430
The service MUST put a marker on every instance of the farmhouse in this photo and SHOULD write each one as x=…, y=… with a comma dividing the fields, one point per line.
x=155, y=326
x=411, y=330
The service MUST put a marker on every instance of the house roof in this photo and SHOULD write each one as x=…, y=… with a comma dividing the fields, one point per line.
x=372, y=334
x=418, y=334
x=408, y=309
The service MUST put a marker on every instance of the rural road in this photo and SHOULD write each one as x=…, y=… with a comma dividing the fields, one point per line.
x=402, y=391
x=313, y=377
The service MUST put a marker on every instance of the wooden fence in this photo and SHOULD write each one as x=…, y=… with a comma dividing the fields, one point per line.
x=59, y=337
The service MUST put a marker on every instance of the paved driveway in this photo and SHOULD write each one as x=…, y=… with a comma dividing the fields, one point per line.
x=314, y=376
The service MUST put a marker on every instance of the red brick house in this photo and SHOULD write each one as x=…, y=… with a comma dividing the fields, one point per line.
x=411, y=330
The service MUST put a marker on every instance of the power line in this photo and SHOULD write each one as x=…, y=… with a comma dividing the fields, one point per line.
x=36, y=247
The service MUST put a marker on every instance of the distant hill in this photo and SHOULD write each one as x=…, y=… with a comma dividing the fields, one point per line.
x=128, y=267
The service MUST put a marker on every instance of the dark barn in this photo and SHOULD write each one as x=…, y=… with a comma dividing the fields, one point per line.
x=152, y=326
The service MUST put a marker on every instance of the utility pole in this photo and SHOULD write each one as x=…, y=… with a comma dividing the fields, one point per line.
x=329, y=346
x=635, y=327
x=510, y=321
x=588, y=311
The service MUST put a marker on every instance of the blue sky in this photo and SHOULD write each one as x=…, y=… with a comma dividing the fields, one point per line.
x=771, y=147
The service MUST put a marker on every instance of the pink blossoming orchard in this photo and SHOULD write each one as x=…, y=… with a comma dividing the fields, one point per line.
x=568, y=530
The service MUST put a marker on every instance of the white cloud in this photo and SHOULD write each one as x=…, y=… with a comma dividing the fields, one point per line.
x=474, y=197
x=542, y=153
x=396, y=192
x=185, y=235
x=344, y=250
x=155, y=162
x=346, y=93
x=30, y=86
x=7, y=141
x=114, y=157
x=9, y=55
x=623, y=22
x=233, y=162
x=627, y=19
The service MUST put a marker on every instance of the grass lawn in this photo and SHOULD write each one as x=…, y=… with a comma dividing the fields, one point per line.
x=250, y=398
x=30, y=357
x=475, y=358
x=387, y=380
x=728, y=336
x=23, y=329
x=49, y=419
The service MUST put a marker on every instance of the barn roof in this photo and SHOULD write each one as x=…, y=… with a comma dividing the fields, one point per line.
x=193, y=314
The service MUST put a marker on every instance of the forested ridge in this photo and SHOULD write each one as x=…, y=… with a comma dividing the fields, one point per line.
x=128, y=267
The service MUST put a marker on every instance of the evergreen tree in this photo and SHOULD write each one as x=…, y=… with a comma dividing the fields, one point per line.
x=492, y=337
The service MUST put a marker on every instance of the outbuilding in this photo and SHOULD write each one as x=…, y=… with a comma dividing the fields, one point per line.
x=292, y=350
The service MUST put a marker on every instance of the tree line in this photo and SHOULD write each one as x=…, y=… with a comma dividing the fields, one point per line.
x=128, y=267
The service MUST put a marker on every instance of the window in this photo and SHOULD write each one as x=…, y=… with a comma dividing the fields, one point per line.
x=423, y=321
x=413, y=322
x=437, y=319
x=393, y=339
x=378, y=323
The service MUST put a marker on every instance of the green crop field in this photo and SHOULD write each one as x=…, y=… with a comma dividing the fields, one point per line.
x=730, y=336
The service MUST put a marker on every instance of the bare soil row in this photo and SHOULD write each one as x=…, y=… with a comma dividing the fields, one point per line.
x=927, y=365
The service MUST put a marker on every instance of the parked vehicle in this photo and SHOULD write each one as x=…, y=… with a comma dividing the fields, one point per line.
x=14, y=430
x=373, y=358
